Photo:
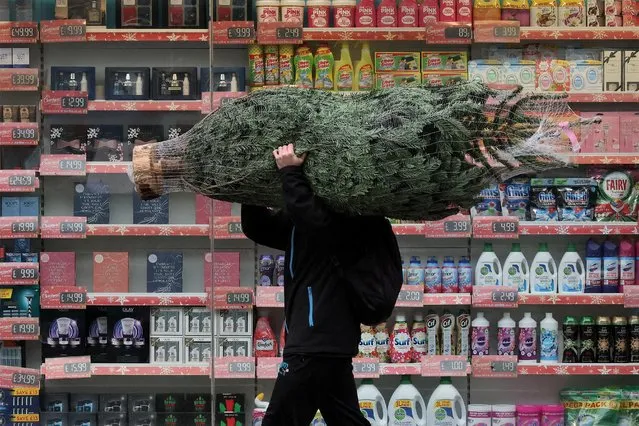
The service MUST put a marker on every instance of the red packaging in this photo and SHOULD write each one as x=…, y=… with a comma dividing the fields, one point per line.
x=603, y=136
x=282, y=338
x=110, y=272
x=629, y=131
x=343, y=13
x=614, y=21
x=318, y=13
x=264, y=340
x=631, y=20
x=465, y=11
x=629, y=7
x=387, y=14
x=428, y=12
x=57, y=268
x=225, y=269
x=407, y=13
x=448, y=11
x=365, y=16
x=400, y=344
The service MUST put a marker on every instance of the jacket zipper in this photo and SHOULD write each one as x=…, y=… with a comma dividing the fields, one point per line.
x=311, y=321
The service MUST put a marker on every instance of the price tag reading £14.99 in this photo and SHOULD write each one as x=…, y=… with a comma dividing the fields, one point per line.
x=64, y=227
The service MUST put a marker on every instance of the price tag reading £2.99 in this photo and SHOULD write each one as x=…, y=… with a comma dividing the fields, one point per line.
x=366, y=368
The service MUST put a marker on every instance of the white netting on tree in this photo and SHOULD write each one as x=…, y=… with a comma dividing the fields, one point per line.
x=406, y=153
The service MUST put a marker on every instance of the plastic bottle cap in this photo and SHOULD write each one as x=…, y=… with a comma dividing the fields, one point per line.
x=571, y=247
x=527, y=314
x=516, y=247
x=445, y=381
x=506, y=314
x=504, y=408
x=400, y=318
x=294, y=3
x=543, y=247
x=418, y=317
x=488, y=247
x=367, y=381
x=480, y=314
x=405, y=380
x=267, y=3
x=548, y=314
x=344, y=3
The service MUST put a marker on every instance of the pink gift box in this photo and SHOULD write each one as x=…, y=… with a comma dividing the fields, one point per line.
x=629, y=131
x=204, y=206
x=602, y=137
x=57, y=268
x=110, y=272
x=225, y=270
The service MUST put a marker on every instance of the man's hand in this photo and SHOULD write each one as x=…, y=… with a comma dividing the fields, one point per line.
x=285, y=157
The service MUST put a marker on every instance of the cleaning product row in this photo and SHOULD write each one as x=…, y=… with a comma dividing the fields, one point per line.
x=609, y=266
x=435, y=278
x=432, y=335
x=507, y=414
x=522, y=342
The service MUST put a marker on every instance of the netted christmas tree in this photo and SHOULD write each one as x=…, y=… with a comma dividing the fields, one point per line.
x=406, y=153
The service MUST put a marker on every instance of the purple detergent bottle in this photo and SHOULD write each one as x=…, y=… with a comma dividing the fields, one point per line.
x=594, y=269
x=610, y=267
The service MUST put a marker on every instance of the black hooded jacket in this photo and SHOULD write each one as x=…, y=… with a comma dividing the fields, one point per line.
x=319, y=317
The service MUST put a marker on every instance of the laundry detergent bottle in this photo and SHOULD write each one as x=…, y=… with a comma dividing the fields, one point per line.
x=372, y=403
x=516, y=272
x=488, y=269
x=543, y=272
x=406, y=406
x=442, y=406
x=571, y=273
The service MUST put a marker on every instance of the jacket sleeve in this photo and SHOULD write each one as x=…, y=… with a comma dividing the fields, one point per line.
x=265, y=227
x=307, y=211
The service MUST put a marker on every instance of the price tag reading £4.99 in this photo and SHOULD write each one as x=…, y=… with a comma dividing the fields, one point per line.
x=76, y=367
x=504, y=227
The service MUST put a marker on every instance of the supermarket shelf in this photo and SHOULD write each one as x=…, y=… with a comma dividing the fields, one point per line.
x=578, y=228
x=569, y=299
x=147, y=230
x=631, y=158
x=616, y=97
x=409, y=228
x=455, y=299
x=146, y=370
x=109, y=167
x=172, y=106
x=101, y=34
x=147, y=299
x=367, y=34
x=387, y=369
x=578, y=369
x=567, y=34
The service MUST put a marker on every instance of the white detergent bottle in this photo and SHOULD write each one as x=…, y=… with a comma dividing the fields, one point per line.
x=488, y=269
x=571, y=273
x=442, y=406
x=516, y=273
x=372, y=403
x=543, y=272
x=403, y=406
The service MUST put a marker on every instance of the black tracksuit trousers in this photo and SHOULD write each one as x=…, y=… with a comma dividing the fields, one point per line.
x=308, y=383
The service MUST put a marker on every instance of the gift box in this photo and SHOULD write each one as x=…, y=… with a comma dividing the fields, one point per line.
x=175, y=84
x=68, y=139
x=605, y=135
x=75, y=79
x=92, y=200
x=222, y=79
x=105, y=143
x=92, y=11
x=138, y=135
x=184, y=14
x=136, y=14
x=126, y=83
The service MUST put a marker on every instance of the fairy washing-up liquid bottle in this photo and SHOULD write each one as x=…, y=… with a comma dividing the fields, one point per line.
x=406, y=405
x=372, y=403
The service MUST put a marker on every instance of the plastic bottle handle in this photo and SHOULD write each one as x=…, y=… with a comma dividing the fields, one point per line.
x=580, y=267
x=461, y=421
x=419, y=400
x=379, y=402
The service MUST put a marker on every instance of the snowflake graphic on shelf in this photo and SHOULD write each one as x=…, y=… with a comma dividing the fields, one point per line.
x=166, y=230
x=597, y=300
x=123, y=370
x=605, y=230
x=166, y=371
x=563, y=230
x=561, y=370
x=204, y=37
x=553, y=298
x=174, y=132
x=634, y=371
x=129, y=37
x=130, y=106
x=93, y=132
x=604, y=371
x=133, y=133
x=346, y=35
x=165, y=300
x=56, y=132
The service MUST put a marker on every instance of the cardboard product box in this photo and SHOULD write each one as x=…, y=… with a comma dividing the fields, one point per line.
x=397, y=79
x=233, y=346
x=113, y=403
x=138, y=135
x=197, y=403
x=234, y=322
x=92, y=200
x=443, y=78
x=170, y=402
x=54, y=419
x=586, y=76
x=197, y=321
x=167, y=321
x=29, y=206
x=151, y=212
x=105, y=143
x=55, y=402
x=110, y=272
x=20, y=57
x=70, y=78
x=84, y=403
x=166, y=350
x=142, y=419
x=112, y=419
x=553, y=76
x=223, y=268
x=98, y=334
x=629, y=130
x=68, y=139
x=521, y=73
x=141, y=403
x=613, y=70
x=444, y=61
x=397, y=61
x=226, y=419
x=84, y=419
x=197, y=419
x=6, y=58
x=197, y=350
x=164, y=272
x=631, y=70
x=604, y=136
x=486, y=71
x=57, y=268
x=129, y=334
x=230, y=403
x=64, y=333
x=11, y=206
x=126, y=83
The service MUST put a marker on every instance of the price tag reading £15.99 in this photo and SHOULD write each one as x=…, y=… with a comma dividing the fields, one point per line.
x=68, y=368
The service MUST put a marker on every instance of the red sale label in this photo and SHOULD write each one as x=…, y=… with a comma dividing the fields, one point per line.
x=63, y=165
x=18, y=32
x=19, y=227
x=19, y=79
x=495, y=366
x=15, y=377
x=19, y=329
x=268, y=367
x=65, y=227
x=502, y=227
x=444, y=365
x=631, y=296
x=233, y=32
x=366, y=368
x=234, y=367
x=73, y=367
x=449, y=33
x=279, y=33
x=64, y=102
x=269, y=297
x=18, y=180
x=63, y=30
x=19, y=134
x=232, y=298
x=496, y=31
x=63, y=297
x=19, y=273
x=458, y=226
x=489, y=296
x=227, y=228
x=211, y=101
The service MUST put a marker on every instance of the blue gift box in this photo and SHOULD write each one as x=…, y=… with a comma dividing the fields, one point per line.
x=205, y=78
x=60, y=79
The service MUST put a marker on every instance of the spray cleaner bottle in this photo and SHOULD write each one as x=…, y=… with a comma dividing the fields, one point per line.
x=442, y=406
x=626, y=264
x=260, y=410
x=610, y=267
